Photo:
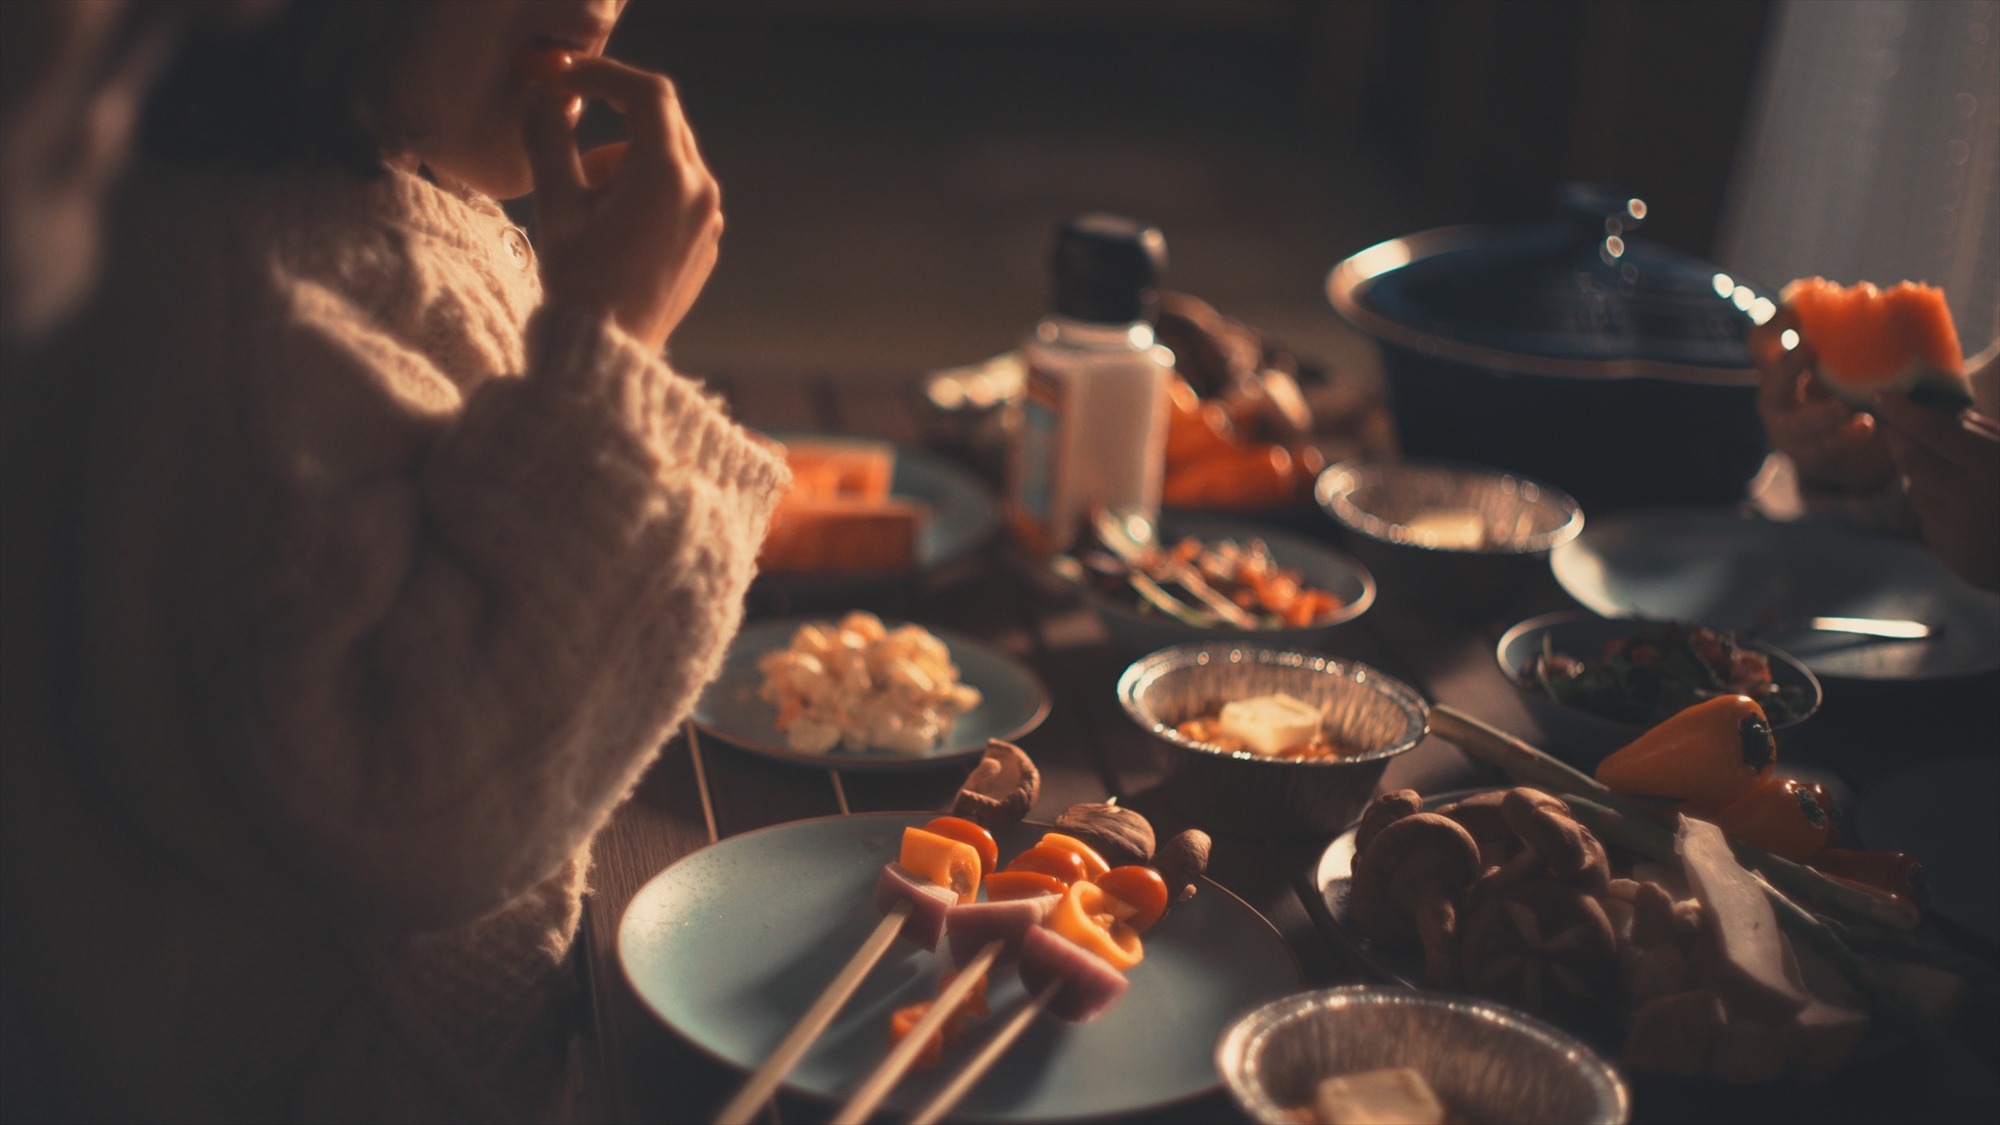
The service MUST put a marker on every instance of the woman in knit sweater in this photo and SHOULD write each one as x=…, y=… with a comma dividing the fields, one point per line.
x=360, y=559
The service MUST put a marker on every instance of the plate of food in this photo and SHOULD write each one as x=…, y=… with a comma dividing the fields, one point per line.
x=863, y=512
x=1595, y=684
x=1165, y=585
x=732, y=967
x=1773, y=579
x=1690, y=945
x=858, y=694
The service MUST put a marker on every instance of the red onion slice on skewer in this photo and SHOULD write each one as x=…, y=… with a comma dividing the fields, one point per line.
x=928, y=903
x=1090, y=985
x=971, y=926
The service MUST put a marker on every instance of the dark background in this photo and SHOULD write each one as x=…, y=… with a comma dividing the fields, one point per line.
x=892, y=170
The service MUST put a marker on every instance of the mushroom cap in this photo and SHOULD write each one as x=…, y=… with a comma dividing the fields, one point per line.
x=1182, y=861
x=1479, y=814
x=1423, y=856
x=1544, y=824
x=1119, y=834
x=1001, y=789
x=1555, y=927
x=1384, y=810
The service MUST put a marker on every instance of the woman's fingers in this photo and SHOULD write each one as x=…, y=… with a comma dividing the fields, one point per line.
x=1917, y=431
x=552, y=155
x=603, y=162
x=646, y=100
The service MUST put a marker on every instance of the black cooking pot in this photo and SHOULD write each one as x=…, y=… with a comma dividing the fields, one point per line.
x=1567, y=350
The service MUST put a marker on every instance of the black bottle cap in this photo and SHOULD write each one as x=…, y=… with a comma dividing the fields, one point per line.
x=1106, y=268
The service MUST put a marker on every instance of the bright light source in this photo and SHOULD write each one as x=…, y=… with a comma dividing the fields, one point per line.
x=1762, y=310
x=1635, y=208
x=1742, y=297
x=1724, y=285
x=1789, y=338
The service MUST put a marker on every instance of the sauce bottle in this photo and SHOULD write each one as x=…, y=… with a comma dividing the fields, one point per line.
x=1094, y=423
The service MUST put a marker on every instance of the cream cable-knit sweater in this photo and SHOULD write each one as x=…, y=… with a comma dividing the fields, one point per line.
x=375, y=588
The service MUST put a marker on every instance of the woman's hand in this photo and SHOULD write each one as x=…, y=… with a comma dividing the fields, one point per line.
x=1835, y=448
x=1953, y=469
x=632, y=228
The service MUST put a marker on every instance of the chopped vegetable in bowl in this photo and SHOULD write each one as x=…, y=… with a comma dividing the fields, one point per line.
x=1661, y=671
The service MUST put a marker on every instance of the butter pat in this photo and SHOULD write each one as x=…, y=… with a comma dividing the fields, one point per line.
x=1389, y=1097
x=1271, y=724
x=1451, y=529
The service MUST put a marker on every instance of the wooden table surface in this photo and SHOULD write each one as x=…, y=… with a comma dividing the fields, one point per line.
x=636, y=1070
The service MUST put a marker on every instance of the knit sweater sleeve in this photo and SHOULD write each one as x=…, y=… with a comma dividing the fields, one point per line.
x=452, y=637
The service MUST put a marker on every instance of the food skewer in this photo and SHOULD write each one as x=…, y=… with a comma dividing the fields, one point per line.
x=1001, y=789
x=764, y=1081
x=976, y=1067
x=904, y=1054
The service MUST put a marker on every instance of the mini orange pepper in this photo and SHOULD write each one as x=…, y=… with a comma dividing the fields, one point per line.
x=1714, y=752
x=1779, y=815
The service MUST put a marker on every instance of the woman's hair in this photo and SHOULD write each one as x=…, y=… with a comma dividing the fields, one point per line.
x=311, y=86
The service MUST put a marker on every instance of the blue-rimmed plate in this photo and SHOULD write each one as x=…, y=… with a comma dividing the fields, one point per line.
x=963, y=516
x=732, y=943
x=1014, y=702
x=1758, y=577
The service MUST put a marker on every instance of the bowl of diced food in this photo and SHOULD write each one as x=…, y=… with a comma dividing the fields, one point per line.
x=1265, y=742
x=1194, y=578
x=1595, y=684
x=1392, y=1054
x=1445, y=535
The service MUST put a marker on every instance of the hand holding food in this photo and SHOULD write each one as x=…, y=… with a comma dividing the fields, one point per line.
x=630, y=229
x=1871, y=340
x=1952, y=470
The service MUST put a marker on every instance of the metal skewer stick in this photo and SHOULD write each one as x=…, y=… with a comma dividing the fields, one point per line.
x=976, y=1068
x=764, y=1081
x=878, y=1084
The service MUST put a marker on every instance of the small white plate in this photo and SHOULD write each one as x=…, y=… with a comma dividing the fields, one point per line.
x=1014, y=702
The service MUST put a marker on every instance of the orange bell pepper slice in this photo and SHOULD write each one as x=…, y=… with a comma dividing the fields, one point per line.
x=966, y=832
x=1092, y=919
x=949, y=863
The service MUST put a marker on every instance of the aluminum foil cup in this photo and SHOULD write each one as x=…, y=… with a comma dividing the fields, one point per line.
x=1245, y=794
x=1523, y=520
x=1485, y=1061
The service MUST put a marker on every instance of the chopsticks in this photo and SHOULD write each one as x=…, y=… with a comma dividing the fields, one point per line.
x=976, y=1067
x=764, y=1081
x=904, y=1054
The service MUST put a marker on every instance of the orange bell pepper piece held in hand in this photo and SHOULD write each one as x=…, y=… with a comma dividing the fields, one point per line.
x=1714, y=752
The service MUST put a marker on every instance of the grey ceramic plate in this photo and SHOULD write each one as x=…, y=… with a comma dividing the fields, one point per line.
x=1732, y=573
x=962, y=516
x=732, y=943
x=1015, y=703
x=1943, y=815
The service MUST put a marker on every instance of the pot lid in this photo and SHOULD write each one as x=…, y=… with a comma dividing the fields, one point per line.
x=1574, y=296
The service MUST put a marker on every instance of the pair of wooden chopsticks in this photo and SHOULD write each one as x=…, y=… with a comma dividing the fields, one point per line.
x=764, y=1081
